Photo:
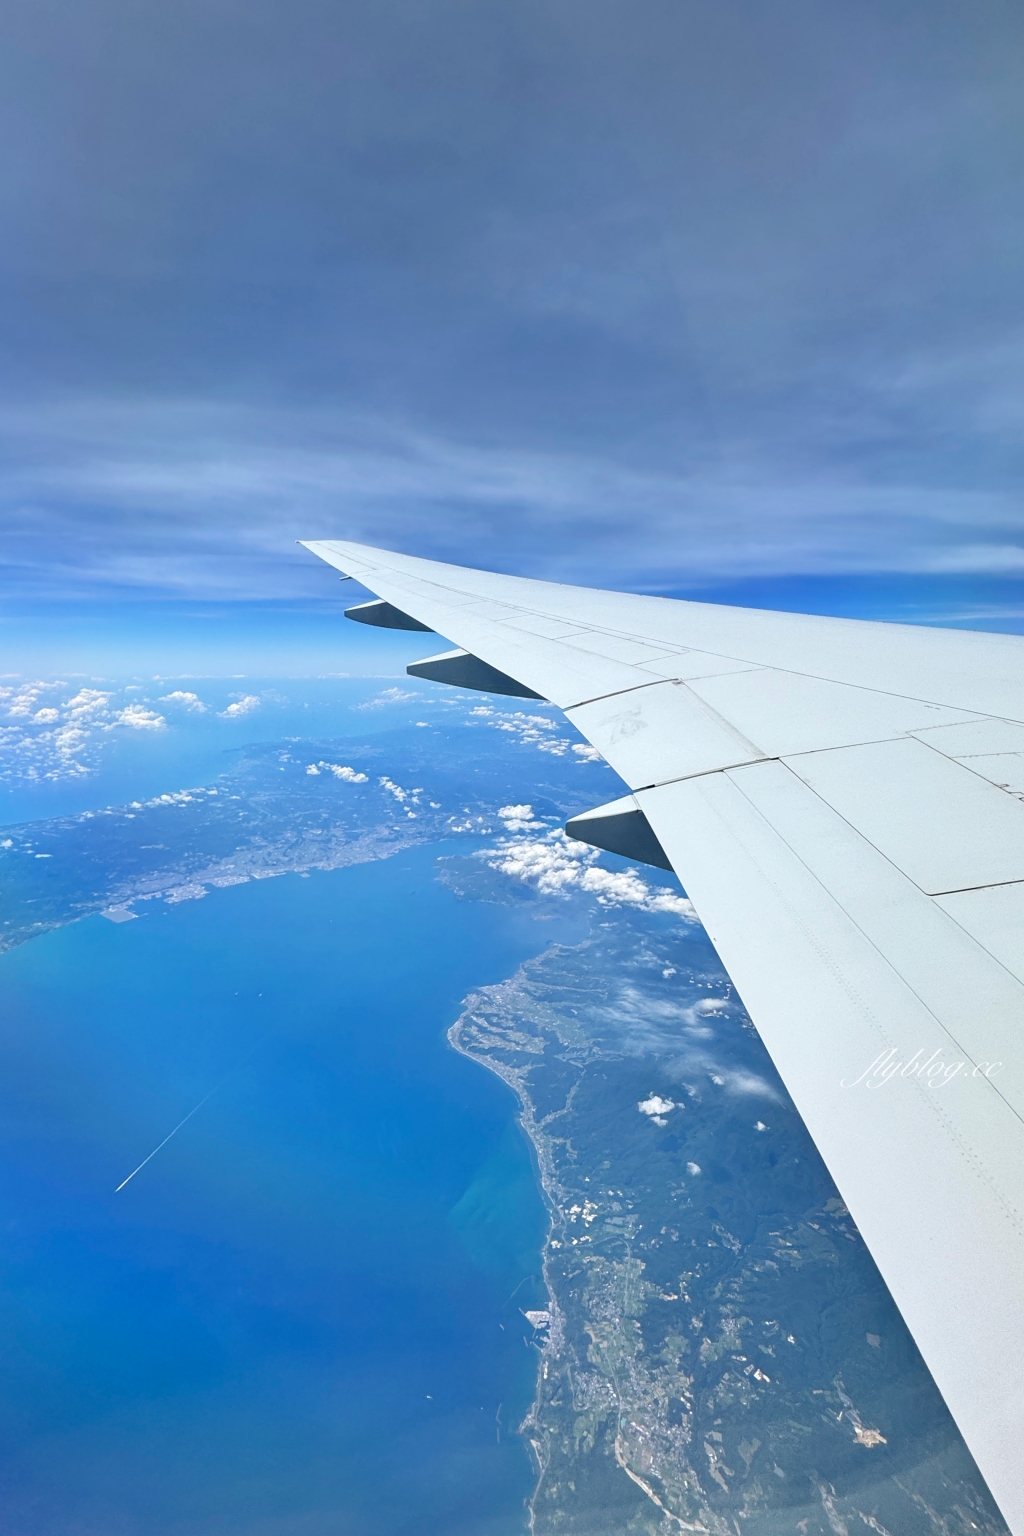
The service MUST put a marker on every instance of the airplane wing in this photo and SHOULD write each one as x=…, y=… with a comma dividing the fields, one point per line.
x=842, y=802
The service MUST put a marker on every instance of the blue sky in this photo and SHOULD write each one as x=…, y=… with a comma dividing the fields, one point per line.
x=704, y=297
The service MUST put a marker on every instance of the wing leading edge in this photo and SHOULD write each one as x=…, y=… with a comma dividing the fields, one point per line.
x=842, y=802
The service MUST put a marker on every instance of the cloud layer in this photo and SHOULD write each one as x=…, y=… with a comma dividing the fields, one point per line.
x=137, y=496
x=54, y=730
x=651, y=297
x=555, y=864
x=243, y=705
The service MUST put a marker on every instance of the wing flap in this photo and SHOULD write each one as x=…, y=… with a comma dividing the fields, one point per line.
x=944, y=826
x=994, y=916
x=975, y=1001
x=659, y=732
x=786, y=712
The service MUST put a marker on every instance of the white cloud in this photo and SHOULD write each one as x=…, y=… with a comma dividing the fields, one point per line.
x=190, y=701
x=656, y=1107
x=518, y=818
x=22, y=702
x=46, y=735
x=140, y=719
x=177, y=797
x=405, y=797
x=340, y=771
x=532, y=729
x=747, y=1083
x=693, y=1169
x=555, y=864
x=243, y=706
x=385, y=697
x=586, y=753
x=87, y=703
x=68, y=739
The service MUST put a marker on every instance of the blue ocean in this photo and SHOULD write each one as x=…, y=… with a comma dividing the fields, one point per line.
x=271, y=1240
x=304, y=1314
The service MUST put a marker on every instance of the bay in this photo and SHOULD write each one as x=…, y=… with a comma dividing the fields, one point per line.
x=304, y=1315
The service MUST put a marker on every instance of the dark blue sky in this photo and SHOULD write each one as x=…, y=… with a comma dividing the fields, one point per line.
x=703, y=295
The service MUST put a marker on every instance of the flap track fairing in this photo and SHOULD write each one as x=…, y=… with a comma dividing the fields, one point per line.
x=385, y=616
x=461, y=669
x=619, y=827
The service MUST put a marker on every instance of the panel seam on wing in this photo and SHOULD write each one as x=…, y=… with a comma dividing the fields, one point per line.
x=1015, y=1216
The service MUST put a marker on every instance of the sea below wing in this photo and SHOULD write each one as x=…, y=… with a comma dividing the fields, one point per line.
x=842, y=802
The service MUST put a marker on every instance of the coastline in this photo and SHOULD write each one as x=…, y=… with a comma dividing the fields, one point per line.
x=541, y=1160
x=695, y=1246
x=474, y=1037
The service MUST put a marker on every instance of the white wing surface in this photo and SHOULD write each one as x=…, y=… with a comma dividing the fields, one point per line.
x=842, y=802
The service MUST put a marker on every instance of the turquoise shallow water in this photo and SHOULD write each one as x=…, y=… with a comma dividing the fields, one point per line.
x=299, y=1316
